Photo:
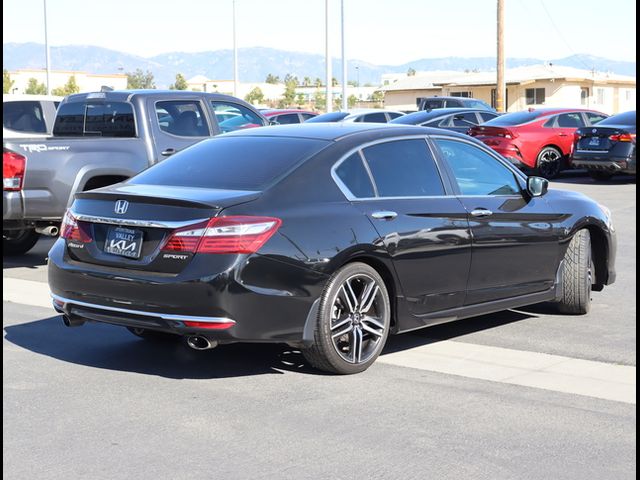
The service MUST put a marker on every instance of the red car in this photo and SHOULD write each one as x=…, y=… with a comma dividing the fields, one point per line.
x=540, y=139
x=287, y=116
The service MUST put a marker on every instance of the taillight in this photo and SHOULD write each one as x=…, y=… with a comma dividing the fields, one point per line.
x=232, y=234
x=577, y=135
x=623, y=137
x=71, y=230
x=13, y=166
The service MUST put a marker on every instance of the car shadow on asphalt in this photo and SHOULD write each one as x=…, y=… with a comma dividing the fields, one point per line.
x=114, y=348
x=584, y=179
x=37, y=257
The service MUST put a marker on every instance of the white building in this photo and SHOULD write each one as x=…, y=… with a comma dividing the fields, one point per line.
x=87, y=82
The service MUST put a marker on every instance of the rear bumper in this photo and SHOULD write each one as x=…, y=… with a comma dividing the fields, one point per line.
x=603, y=162
x=12, y=206
x=264, y=300
x=507, y=149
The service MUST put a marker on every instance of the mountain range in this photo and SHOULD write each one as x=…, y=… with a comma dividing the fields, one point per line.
x=257, y=62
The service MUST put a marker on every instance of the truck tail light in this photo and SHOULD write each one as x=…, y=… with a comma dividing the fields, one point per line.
x=13, y=167
x=232, y=234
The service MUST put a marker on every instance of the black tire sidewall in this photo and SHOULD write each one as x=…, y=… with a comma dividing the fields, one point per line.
x=20, y=245
x=539, y=162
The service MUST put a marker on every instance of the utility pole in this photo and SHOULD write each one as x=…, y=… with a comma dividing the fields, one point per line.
x=328, y=58
x=46, y=47
x=500, y=87
x=235, y=53
x=344, y=60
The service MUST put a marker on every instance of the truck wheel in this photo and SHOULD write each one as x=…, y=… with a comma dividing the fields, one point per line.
x=549, y=162
x=577, y=272
x=18, y=242
x=600, y=176
x=353, y=321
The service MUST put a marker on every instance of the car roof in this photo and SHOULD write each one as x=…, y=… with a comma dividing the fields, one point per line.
x=424, y=115
x=339, y=130
x=268, y=112
x=128, y=95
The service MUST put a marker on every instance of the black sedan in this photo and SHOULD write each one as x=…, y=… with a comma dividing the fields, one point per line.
x=608, y=147
x=326, y=237
x=454, y=119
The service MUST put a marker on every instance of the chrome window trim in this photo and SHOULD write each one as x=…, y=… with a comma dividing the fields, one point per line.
x=352, y=198
x=137, y=223
x=164, y=316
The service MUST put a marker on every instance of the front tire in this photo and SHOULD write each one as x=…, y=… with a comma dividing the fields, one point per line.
x=577, y=276
x=549, y=162
x=18, y=242
x=353, y=321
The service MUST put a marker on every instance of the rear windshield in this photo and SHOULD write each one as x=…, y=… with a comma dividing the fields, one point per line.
x=24, y=116
x=232, y=163
x=626, y=118
x=510, y=119
x=108, y=119
x=328, y=117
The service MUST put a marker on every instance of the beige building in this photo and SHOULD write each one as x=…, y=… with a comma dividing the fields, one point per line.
x=533, y=86
x=87, y=82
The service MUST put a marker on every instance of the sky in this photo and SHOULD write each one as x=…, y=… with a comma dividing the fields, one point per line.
x=378, y=31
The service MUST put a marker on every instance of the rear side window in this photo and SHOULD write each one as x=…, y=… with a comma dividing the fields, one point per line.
x=353, y=175
x=594, y=118
x=465, y=120
x=404, y=168
x=23, y=117
x=432, y=104
x=511, y=119
x=231, y=163
x=107, y=119
x=287, y=119
x=183, y=118
x=378, y=117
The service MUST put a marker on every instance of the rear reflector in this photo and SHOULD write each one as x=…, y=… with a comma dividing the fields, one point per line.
x=233, y=234
x=210, y=325
x=71, y=230
x=13, y=166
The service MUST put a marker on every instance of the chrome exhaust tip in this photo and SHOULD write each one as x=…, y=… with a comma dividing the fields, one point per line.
x=198, y=342
x=72, y=321
x=50, y=231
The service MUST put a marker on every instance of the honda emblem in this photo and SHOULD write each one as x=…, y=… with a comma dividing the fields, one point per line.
x=121, y=207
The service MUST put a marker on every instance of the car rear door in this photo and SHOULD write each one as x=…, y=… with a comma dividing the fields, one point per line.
x=564, y=127
x=397, y=184
x=515, y=240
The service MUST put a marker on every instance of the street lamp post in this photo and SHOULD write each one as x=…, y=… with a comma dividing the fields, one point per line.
x=235, y=53
x=329, y=86
x=344, y=60
x=46, y=47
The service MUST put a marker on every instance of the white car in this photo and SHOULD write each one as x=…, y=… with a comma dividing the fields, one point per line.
x=369, y=115
x=28, y=116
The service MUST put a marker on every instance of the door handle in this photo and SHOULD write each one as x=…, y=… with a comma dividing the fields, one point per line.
x=384, y=215
x=168, y=151
x=481, y=212
x=563, y=135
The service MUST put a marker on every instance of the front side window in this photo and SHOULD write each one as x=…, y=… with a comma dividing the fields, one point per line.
x=594, y=118
x=404, y=168
x=353, y=175
x=535, y=96
x=183, y=118
x=100, y=119
x=232, y=116
x=23, y=117
x=465, y=120
x=378, y=117
x=476, y=172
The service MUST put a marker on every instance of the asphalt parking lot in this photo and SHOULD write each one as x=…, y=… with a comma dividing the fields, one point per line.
x=519, y=394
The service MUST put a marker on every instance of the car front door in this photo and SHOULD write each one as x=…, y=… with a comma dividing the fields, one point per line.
x=424, y=230
x=515, y=237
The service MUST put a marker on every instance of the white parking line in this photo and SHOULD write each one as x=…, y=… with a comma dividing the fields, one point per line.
x=517, y=367
x=504, y=365
x=26, y=292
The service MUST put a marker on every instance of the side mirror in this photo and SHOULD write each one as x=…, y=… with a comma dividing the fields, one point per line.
x=537, y=186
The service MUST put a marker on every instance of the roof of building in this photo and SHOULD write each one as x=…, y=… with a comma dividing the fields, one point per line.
x=520, y=75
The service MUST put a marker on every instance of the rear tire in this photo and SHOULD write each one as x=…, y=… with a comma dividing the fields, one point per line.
x=577, y=276
x=549, y=162
x=600, y=176
x=353, y=321
x=19, y=242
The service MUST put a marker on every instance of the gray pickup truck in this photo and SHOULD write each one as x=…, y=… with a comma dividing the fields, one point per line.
x=99, y=139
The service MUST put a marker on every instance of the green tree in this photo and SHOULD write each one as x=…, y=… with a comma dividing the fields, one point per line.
x=70, y=87
x=140, y=79
x=7, y=83
x=377, y=96
x=352, y=100
x=306, y=82
x=255, y=96
x=289, y=95
x=300, y=99
x=273, y=79
x=180, y=83
x=318, y=82
x=334, y=82
x=319, y=100
x=411, y=72
x=352, y=83
x=35, y=88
